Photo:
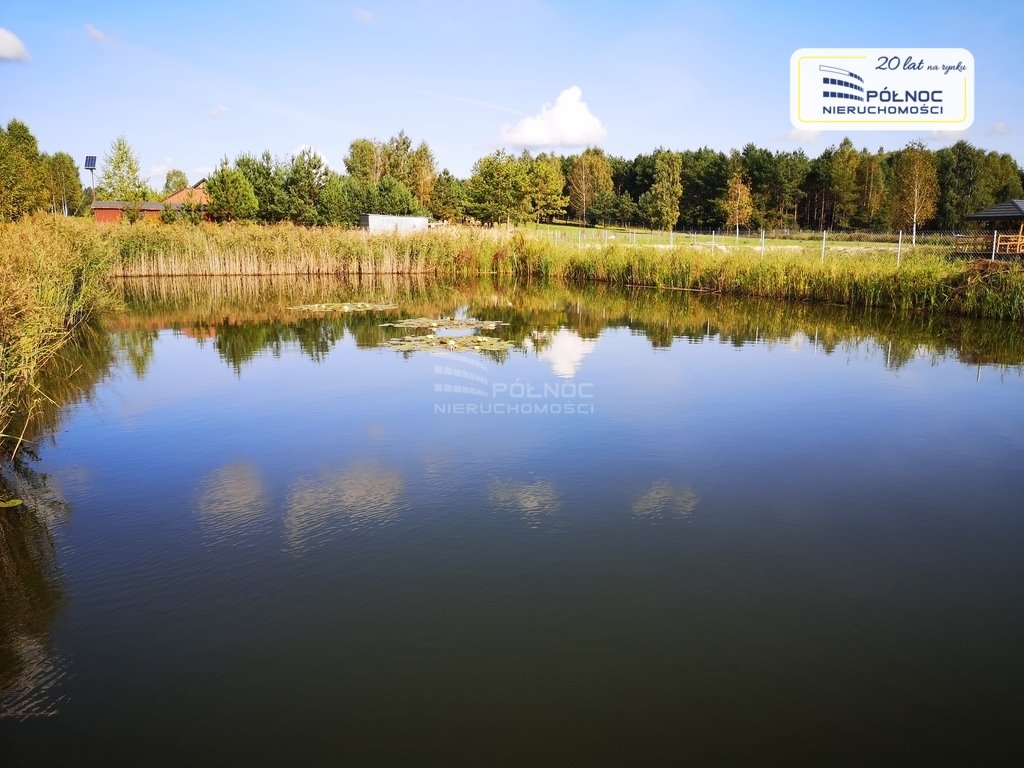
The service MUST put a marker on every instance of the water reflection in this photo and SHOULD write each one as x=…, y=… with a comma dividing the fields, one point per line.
x=31, y=595
x=231, y=501
x=533, y=502
x=363, y=495
x=558, y=323
x=664, y=501
x=31, y=588
x=563, y=349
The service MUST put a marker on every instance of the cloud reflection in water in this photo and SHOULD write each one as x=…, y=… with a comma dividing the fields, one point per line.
x=533, y=502
x=363, y=495
x=665, y=501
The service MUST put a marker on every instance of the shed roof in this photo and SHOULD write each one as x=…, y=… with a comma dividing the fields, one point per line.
x=1008, y=210
x=120, y=205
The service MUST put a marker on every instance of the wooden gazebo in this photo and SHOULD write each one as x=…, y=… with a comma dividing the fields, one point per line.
x=999, y=229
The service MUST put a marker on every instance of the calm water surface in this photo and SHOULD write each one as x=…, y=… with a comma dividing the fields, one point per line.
x=658, y=529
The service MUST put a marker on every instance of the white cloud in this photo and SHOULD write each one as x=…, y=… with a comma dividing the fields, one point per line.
x=11, y=47
x=1001, y=128
x=304, y=147
x=566, y=123
x=803, y=137
x=221, y=110
x=162, y=168
x=363, y=16
x=947, y=135
x=96, y=34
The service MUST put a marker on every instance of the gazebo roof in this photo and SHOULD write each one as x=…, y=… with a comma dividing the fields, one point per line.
x=1008, y=210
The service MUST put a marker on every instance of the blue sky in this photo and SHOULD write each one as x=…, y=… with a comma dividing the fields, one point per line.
x=189, y=82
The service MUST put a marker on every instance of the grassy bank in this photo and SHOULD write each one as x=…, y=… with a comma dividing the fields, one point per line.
x=52, y=276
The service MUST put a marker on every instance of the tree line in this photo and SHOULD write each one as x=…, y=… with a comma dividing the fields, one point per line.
x=31, y=180
x=842, y=188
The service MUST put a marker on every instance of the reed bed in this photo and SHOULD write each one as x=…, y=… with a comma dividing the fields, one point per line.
x=152, y=249
x=858, y=276
x=52, y=277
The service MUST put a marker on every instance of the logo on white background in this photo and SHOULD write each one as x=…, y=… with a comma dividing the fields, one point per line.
x=865, y=89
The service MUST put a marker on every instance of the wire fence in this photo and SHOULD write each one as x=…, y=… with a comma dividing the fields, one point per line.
x=946, y=243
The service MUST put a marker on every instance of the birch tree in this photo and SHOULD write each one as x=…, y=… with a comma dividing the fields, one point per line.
x=915, y=188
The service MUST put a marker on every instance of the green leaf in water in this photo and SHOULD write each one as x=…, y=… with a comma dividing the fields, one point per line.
x=10, y=503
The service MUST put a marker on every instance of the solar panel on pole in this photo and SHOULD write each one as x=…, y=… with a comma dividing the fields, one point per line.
x=90, y=166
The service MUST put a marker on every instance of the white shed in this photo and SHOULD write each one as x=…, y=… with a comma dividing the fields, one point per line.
x=379, y=222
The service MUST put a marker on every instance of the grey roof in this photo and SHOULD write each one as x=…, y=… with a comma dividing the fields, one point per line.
x=1008, y=210
x=120, y=205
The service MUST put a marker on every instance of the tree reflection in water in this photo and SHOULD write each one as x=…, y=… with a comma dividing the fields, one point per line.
x=31, y=594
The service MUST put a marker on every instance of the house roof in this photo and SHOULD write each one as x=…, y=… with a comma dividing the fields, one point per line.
x=1008, y=210
x=197, y=193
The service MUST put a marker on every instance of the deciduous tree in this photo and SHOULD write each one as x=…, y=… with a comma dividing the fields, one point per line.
x=63, y=184
x=175, y=181
x=119, y=174
x=496, y=191
x=22, y=183
x=915, y=188
x=590, y=176
x=660, y=204
x=545, y=186
x=737, y=205
x=364, y=162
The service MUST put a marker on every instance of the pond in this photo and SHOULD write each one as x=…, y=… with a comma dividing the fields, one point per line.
x=630, y=527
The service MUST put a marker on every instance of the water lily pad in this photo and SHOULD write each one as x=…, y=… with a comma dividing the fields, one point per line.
x=449, y=323
x=10, y=503
x=432, y=343
x=346, y=306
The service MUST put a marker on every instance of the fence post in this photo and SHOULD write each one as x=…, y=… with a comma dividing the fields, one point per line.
x=712, y=238
x=995, y=237
x=824, y=235
x=762, y=243
x=899, y=248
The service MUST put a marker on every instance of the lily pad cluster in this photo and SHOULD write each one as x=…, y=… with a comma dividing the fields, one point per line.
x=432, y=343
x=347, y=306
x=449, y=323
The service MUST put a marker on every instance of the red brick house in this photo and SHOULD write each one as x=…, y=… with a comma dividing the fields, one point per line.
x=112, y=211
x=196, y=194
